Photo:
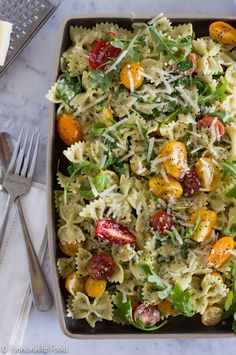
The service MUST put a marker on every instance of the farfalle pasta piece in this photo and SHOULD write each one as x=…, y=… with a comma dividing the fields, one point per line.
x=129, y=284
x=118, y=274
x=66, y=266
x=123, y=253
x=78, y=61
x=208, y=65
x=76, y=153
x=101, y=308
x=53, y=95
x=81, y=260
x=206, y=46
x=182, y=31
x=70, y=233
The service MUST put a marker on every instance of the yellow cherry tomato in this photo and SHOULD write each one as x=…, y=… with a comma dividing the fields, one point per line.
x=212, y=316
x=222, y=33
x=209, y=173
x=95, y=288
x=74, y=283
x=131, y=76
x=166, y=308
x=69, y=129
x=221, y=251
x=177, y=158
x=107, y=117
x=69, y=249
x=164, y=189
x=207, y=222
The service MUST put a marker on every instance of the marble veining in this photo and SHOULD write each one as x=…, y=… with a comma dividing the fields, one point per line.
x=22, y=103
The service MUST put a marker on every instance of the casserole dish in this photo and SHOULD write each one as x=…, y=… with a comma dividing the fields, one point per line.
x=177, y=327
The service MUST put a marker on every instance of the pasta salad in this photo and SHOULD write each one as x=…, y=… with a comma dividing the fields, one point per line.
x=146, y=209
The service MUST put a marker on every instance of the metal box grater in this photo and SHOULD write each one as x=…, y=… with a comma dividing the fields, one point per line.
x=27, y=17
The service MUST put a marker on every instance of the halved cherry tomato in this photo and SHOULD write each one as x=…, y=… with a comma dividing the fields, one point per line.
x=70, y=249
x=190, y=183
x=113, y=232
x=101, y=266
x=74, y=283
x=69, y=129
x=161, y=222
x=176, y=158
x=95, y=288
x=212, y=316
x=207, y=121
x=131, y=76
x=166, y=308
x=222, y=33
x=101, y=52
x=149, y=315
x=221, y=251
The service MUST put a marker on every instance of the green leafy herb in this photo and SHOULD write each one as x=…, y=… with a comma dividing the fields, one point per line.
x=174, y=114
x=232, y=230
x=121, y=168
x=182, y=48
x=230, y=303
x=189, y=232
x=185, y=65
x=101, y=181
x=124, y=311
x=221, y=115
x=68, y=87
x=182, y=301
x=152, y=277
x=169, y=235
x=107, y=36
x=98, y=128
x=230, y=167
x=218, y=94
x=203, y=87
x=99, y=79
x=185, y=249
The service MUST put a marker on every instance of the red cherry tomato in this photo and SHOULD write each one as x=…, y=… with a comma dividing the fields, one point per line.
x=190, y=183
x=161, y=222
x=113, y=232
x=148, y=314
x=207, y=121
x=102, y=52
x=101, y=266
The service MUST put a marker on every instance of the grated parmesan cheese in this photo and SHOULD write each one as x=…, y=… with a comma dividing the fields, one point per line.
x=109, y=138
x=150, y=148
x=85, y=108
x=93, y=188
x=131, y=81
x=187, y=98
x=125, y=157
x=155, y=19
x=177, y=235
x=107, y=191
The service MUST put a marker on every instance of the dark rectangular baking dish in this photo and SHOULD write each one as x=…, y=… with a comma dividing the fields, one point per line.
x=179, y=327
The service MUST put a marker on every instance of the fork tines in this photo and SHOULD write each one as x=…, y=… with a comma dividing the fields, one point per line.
x=25, y=154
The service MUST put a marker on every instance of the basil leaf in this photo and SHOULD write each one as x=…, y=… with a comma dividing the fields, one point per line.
x=118, y=44
x=68, y=87
x=228, y=301
x=182, y=301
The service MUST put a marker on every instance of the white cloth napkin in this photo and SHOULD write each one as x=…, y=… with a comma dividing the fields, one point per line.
x=15, y=298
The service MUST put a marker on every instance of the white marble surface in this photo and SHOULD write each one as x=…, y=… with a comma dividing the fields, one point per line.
x=22, y=103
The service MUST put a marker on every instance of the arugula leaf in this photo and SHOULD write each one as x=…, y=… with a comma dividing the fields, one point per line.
x=124, y=311
x=189, y=232
x=68, y=87
x=98, y=128
x=99, y=79
x=230, y=167
x=185, y=65
x=121, y=168
x=182, y=301
x=152, y=277
x=173, y=114
x=184, y=47
x=101, y=181
x=203, y=87
x=230, y=303
x=164, y=239
x=219, y=93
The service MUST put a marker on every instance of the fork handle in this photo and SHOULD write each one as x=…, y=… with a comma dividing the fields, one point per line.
x=42, y=298
x=5, y=219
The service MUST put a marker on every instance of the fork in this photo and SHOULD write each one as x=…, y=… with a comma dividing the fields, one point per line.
x=17, y=183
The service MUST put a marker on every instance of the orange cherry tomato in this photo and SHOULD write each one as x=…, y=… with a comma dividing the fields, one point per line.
x=221, y=251
x=207, y=121
x=222, y=33
x=70, y=249
x=69, y=129
x=166, y=308
x=131, y=75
